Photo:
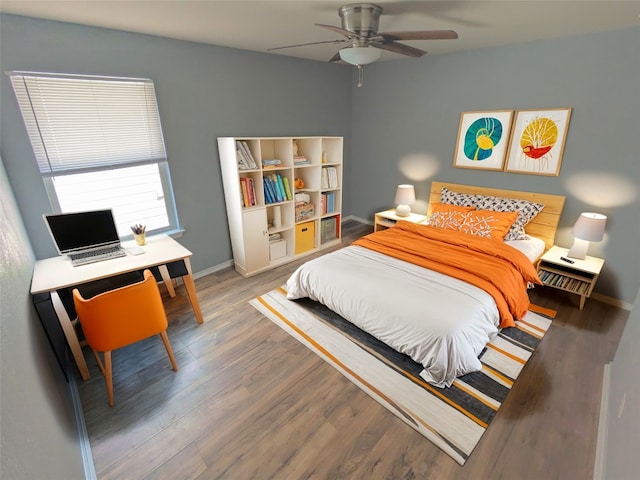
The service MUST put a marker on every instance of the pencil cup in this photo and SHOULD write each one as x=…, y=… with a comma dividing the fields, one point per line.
x=140, y=238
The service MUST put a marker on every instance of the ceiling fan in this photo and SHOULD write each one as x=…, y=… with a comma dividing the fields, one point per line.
x=360, y=23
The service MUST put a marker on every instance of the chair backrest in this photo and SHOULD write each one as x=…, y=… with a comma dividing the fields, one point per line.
x=122, y=316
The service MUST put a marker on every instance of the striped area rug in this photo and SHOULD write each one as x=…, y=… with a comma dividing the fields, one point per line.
x=452, y=418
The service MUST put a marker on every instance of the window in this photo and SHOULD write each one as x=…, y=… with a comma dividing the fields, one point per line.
x=98, y=143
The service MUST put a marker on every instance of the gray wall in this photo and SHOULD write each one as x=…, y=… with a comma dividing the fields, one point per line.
x=38, y=438
x=405, y=123
x=203, y=92
x=623, y=424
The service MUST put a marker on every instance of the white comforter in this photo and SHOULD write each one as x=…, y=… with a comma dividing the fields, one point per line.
x=440, y=322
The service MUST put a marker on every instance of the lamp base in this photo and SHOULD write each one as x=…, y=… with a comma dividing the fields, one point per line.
x=403, y=210
x=579, y=249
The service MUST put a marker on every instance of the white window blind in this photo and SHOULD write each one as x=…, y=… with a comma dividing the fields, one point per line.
x=86, y=123
x=98, y=143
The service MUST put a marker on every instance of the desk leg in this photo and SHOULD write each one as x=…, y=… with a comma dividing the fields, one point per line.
x=191, y=292
x=70, y=335
x=166, y=278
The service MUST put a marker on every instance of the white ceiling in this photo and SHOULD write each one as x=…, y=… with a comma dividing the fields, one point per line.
x=259, y=25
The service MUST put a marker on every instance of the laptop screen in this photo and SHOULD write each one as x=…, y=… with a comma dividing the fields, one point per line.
x=83, y=230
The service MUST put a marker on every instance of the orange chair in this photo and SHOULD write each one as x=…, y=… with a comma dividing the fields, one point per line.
x=120, y=317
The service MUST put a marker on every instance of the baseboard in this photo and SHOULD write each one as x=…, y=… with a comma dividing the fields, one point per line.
x=215, y=268
x=612, y=301
x=603, y=426
x=83, y=435
x=359, y=219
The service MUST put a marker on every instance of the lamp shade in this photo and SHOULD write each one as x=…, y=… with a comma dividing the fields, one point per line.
x=359, y=55
x=405, y=196
x=589, y=227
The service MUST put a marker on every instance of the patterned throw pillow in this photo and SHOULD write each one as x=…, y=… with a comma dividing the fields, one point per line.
x=526, y=212
x=488, y=223
x=449, y=217
x=454, y=198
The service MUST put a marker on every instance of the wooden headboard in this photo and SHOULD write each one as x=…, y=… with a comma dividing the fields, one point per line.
x=543, y=225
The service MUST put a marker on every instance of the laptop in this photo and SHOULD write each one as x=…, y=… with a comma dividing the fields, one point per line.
x=85, y=237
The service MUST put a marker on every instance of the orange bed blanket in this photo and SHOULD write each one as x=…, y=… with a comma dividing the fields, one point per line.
x=500, y=270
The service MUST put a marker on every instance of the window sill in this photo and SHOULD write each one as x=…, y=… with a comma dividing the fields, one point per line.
x=175, y=233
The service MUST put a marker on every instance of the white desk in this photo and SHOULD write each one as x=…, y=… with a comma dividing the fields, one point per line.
x=52, y=274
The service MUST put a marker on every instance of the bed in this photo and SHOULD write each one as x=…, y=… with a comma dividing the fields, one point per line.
x=431, y=293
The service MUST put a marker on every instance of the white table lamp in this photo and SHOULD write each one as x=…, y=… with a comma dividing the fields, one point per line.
x=405, y=196
x=588, y=228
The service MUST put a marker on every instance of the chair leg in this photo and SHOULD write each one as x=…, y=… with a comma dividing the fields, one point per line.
x=167, y=345
x=108, y=376
x=100, y=365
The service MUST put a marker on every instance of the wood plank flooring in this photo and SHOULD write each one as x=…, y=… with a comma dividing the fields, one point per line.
x=251, y=402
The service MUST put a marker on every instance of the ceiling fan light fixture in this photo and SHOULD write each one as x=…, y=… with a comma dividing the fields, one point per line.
x=359, y=55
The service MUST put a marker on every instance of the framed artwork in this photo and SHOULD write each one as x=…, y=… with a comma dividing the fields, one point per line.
x=483, y=139
x=537, y=142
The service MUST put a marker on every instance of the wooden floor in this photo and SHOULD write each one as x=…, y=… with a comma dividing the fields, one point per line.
x=249, y=401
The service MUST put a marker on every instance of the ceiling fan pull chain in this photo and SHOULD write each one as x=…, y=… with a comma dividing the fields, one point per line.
x=360, y=75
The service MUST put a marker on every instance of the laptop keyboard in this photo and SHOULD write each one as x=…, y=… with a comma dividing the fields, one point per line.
x=92, y=256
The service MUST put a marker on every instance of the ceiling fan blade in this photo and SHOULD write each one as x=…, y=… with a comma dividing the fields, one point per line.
x=336, y=57
x=419, y=35
x=306, y=44
x=400, y=48
x=339, y=30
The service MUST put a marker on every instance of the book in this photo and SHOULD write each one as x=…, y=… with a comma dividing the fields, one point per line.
x=272, y=194
x=251, y=190
x=278, y=185
x=245, y=194
x=283, y=192
x=274, y=182
x=267, y=194
x=287, y=190
x=333, y=177
x=324, y=179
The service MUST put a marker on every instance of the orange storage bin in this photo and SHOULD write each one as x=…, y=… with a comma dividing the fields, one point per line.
x=305, y=237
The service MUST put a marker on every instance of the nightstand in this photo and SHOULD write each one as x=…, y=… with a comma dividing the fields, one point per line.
x=578, y=277
x=388, y=218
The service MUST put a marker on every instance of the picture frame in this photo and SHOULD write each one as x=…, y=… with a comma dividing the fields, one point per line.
x=537, y=141
x=483, y=139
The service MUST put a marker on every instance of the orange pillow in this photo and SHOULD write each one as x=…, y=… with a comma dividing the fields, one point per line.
x=449, y=217
x=487, y=223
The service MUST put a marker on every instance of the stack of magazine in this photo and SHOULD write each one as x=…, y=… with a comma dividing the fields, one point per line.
x=245, y=158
